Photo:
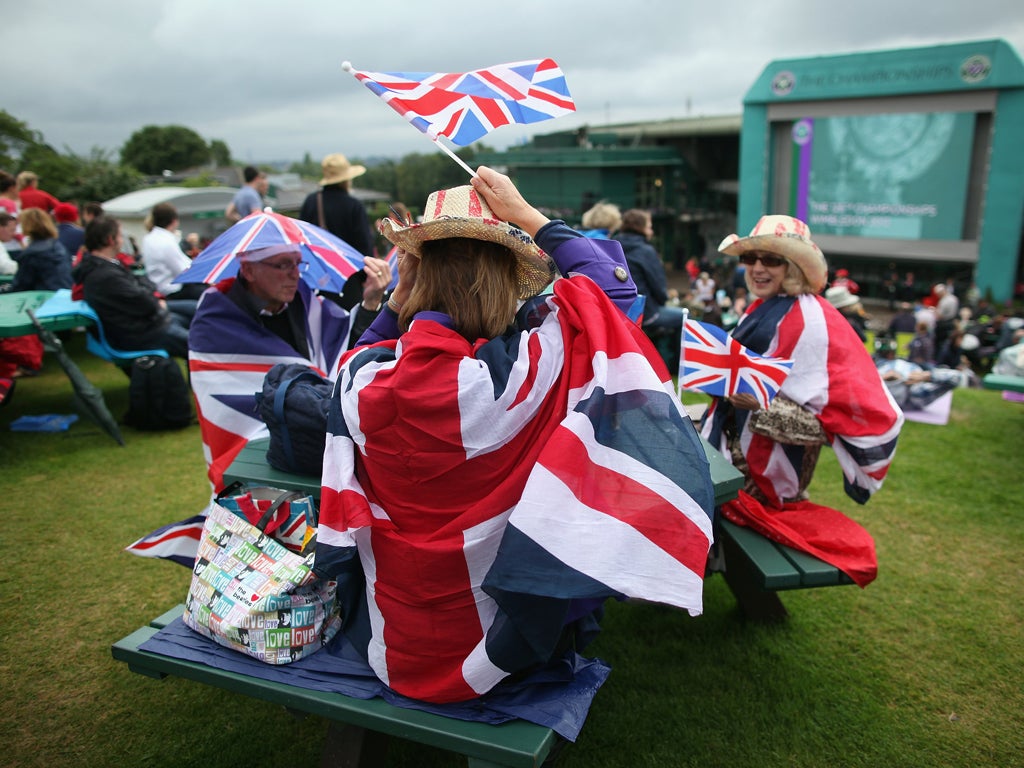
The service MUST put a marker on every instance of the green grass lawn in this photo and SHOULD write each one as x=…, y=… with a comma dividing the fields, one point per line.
x=925, y=667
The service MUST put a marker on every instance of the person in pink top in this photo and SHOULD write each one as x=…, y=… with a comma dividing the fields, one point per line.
x=8, y=194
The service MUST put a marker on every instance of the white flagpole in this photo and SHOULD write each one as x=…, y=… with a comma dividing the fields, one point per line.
x=453, y=156
x=347, y=66
x=682, y=356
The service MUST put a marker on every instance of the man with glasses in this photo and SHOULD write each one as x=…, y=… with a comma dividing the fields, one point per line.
x=265, y=316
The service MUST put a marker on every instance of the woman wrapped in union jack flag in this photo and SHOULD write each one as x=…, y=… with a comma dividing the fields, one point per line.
x=833, y=381
x=499, y=461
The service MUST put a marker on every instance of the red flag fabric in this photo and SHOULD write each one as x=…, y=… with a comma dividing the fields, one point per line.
x=824, y=532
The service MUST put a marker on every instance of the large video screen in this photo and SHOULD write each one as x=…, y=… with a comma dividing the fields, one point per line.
x=901, y=176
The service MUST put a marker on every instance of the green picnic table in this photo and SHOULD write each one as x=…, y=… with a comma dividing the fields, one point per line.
x=358, y=730
x=14, y=319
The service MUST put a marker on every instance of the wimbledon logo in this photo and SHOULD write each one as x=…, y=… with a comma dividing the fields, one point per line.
x=975, y=69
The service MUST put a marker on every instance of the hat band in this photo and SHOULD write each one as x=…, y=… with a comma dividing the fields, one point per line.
x=259, y=254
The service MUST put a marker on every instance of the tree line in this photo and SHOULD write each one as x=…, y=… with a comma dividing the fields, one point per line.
x=153, y=149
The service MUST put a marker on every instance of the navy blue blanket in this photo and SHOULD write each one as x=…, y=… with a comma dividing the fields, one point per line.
x=558, y=696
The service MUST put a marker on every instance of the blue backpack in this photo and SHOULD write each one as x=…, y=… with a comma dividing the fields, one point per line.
x=293, y=404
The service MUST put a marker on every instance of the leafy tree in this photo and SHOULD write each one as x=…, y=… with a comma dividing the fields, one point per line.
x=97, y=177
x=155, y=148
x=220, y=153
x=15, y=136
x=308, y=168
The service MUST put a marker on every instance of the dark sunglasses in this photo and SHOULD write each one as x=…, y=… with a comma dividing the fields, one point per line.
x=768, y=259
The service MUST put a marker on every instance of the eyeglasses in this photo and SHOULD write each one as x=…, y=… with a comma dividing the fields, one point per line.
x=286, y=266
x=767, y=259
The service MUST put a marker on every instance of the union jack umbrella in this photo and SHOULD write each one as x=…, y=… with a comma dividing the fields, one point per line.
x=331, y=260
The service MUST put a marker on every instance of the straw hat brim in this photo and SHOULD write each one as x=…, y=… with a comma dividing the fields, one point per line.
x=534, y=268
x=347, y=175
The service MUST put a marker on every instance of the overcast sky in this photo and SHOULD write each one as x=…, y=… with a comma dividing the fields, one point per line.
x=266, y=77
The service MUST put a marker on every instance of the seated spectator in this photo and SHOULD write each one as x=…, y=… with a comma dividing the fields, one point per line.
x=9, y=202
x=959, y=350
x=247, y=324
x=43, y=265
x=1010, y=361
x=648, y=273
x=8, y=266
x=601, y=221
x=922, y=347
x=30, y=196
x=904, y=320
x=843, y=280
x=913, y=386
x=9, y=236
x=133, y=314
x=69, y=232
x=849, y=306
x=164, y=260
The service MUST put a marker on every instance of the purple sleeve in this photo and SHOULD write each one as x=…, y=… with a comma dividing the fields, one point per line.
x=383, y=328
x=601, y=260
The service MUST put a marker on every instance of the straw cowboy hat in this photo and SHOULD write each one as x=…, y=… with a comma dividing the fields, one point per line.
x=839, y=296
x=787, y=237
x=337, y=169
x=461, y=212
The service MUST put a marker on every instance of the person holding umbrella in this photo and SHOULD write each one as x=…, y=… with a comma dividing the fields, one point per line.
x=267, y=313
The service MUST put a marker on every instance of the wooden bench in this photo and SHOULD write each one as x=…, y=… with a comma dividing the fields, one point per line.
x=358, y=729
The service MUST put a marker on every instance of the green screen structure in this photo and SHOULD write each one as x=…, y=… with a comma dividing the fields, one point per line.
x=901, y=175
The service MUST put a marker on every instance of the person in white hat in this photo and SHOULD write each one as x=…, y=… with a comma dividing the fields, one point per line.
x=833, y=377
x=549, y=429
x=850, y=307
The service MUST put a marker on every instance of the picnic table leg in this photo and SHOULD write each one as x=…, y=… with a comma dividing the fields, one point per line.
x=349, y=746
x=755, y=602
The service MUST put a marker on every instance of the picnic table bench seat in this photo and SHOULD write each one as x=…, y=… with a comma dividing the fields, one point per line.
x=358, y=729
x=1003, y=381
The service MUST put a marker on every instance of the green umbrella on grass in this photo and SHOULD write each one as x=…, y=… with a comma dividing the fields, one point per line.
x=87, y=397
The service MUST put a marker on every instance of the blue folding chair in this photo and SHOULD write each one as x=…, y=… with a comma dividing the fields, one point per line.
x=95, y=340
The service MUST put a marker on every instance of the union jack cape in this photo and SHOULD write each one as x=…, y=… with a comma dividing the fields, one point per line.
x=230, y=353
x=834, y=378
x=464, y=107
x=494, y=492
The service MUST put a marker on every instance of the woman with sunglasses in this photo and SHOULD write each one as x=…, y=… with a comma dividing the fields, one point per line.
x=832, y=394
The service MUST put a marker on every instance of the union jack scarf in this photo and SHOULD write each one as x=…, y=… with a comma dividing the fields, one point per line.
x=834, y=378
x=560, y=442
x=229, y=355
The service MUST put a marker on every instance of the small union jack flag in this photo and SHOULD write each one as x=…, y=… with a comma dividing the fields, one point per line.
x=464, y=107
x=716, y=364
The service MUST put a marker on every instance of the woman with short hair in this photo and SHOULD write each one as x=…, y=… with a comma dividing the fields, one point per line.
x=44, y=264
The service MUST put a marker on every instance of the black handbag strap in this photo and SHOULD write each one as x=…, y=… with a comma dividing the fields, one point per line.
x=279, y=399
x=320, y=209
x=275, y=505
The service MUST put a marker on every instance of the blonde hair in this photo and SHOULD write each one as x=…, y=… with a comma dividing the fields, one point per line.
x=26, y=179
x=794, y=283
x=471, y=281
x=37, y=224
x=602, y=216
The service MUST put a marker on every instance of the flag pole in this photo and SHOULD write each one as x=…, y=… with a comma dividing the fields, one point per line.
x=682, y=356
x=453, y=156
x=347, y=66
